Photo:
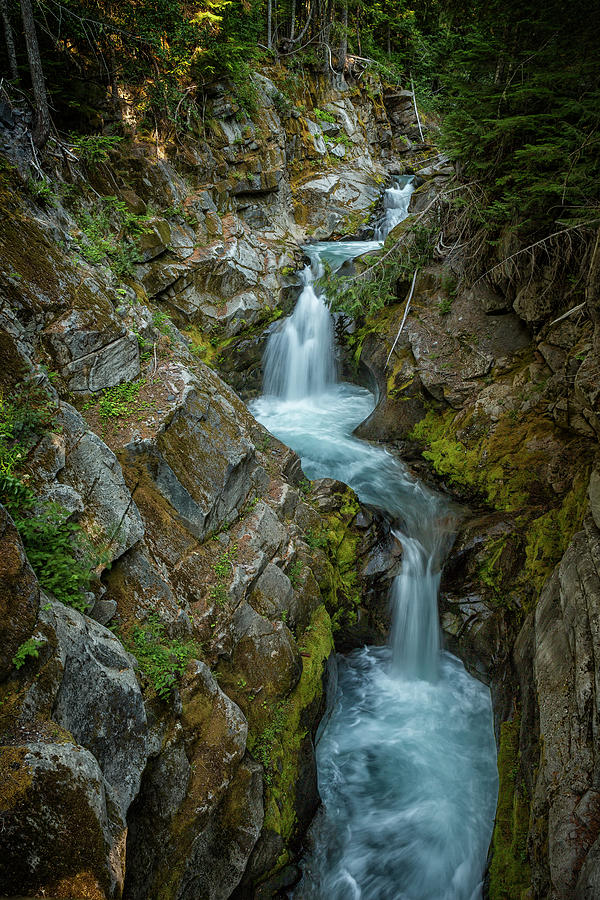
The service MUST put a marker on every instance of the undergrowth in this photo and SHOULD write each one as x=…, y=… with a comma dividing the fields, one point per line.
x=366, y=293
x=161, y=659
x=61, y=555
x=110, y=230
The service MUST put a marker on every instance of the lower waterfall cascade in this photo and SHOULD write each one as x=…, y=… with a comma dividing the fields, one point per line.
x=407, y=758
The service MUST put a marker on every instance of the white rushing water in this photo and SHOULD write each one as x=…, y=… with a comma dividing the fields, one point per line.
x=395, y=206
x=406, y=761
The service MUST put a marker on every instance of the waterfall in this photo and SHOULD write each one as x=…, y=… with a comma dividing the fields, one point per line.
x=395, y=204
x=299, y=360
x=406, y=764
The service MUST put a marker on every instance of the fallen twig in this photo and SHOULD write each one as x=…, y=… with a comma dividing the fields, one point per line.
x=412, y=287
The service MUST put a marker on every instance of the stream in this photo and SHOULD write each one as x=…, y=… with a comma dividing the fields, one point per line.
x=406, y=758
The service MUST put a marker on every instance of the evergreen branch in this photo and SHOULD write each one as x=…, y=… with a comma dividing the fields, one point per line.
x=534, y=245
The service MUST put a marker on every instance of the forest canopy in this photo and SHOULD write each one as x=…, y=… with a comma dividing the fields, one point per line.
x=515, y=86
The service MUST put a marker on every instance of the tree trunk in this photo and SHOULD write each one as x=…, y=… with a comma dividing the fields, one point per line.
x=344, y=41
x=269, y=24
x=293, y=20
x=10, y=42
x=41, y=129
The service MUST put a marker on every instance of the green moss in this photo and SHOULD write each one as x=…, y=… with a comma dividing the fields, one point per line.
x=498, y=464
x=510, y=876
x=490, y=571
x=278, y=746
x=549, y=535
x=340, y=584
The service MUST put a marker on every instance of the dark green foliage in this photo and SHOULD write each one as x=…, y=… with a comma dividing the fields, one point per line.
x=28, y=649
x=387, y=274
x=524, y=111
x=161, y=660
x=94, y=148
x=60, y=554
x=110, y=230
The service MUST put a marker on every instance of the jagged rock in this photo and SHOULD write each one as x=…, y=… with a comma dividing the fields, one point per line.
x=98, y=700
x=86, y=468
x=567, y=641
x=19, y=593
x=195, y=790
x=273, y=594
x=265, y=653
x=92, y=349
x=324, y=203
x=205, y=427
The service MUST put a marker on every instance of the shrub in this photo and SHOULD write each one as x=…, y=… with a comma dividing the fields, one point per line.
x=161, y=660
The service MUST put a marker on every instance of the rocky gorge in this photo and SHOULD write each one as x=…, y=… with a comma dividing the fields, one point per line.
x=213, y=556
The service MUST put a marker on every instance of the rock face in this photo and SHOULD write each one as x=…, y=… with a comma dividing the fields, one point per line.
x=566, y=789
x=19, y=594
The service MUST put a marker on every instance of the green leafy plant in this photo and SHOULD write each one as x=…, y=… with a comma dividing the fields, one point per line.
x=94, y=148
x=145, y=346
x=305, y=486
x=61, y=555
x=294, y=572
x=218, y=594
x=29, y=649
x=120, y=402
x=42, y=190
x=316, y=538
x=162, y=321
x=224, y=565
x=110, y=230
x=262, y=745
x=324, y=116
x=161, y=660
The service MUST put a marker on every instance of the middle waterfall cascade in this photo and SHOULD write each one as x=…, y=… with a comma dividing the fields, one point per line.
x=406, y=761
x=395, y=205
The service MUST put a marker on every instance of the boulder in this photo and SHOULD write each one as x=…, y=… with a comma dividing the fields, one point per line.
x=62, y=836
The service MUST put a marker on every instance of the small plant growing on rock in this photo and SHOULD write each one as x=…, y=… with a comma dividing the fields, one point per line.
x=316, y=538
x=324, y=116
x=94, y=148
x=29, y=649
x=162, y=321
x=161, y=660
x=60, y=554
x=42, y=190
x=218, y=594
x=121, y=402
x=224, y=565
x=294, y=572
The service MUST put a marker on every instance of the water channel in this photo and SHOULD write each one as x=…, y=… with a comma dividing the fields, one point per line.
x=407, y=758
